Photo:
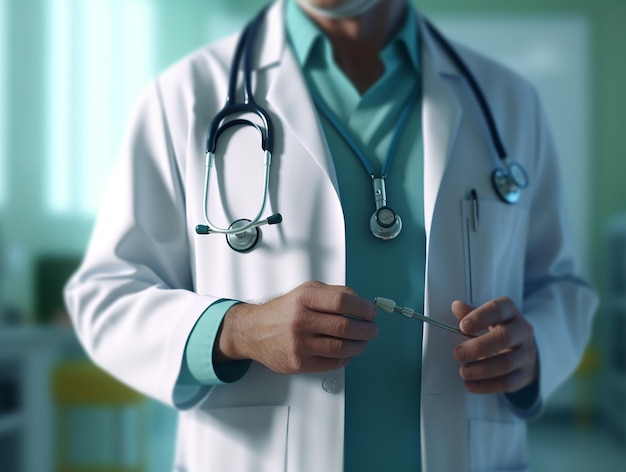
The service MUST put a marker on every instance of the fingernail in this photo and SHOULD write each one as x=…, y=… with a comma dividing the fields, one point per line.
x=467, y=326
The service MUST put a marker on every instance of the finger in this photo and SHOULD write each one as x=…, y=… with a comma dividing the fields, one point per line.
x=499, y=338
x=337, y=300
x=500, y=310
x=493, y=367
x=461, y=309
x=511, y=382
x=334, y=348
x=318, y=284
x=344, y=327
x=322, y=285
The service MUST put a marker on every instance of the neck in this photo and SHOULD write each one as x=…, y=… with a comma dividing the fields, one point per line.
x=357, y=42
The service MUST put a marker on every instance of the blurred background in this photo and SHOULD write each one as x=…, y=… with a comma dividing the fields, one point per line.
x=70, y=71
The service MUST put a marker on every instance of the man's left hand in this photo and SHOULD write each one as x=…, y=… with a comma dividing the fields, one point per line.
x=502, y=358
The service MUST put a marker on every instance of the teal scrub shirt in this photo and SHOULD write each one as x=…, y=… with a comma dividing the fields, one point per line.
x=383, y=384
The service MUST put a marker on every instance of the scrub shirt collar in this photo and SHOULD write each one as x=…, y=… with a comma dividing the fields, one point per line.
x=309, y=42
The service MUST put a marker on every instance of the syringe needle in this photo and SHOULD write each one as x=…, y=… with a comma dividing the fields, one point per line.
x=388, y=305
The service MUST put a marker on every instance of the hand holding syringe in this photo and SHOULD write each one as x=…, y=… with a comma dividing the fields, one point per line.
x=390, y=306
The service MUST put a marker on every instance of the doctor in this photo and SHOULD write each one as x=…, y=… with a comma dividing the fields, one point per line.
x=382, y=159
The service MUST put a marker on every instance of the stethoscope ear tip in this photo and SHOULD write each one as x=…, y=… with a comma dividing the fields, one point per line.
x=275, y=219
x=202, y=229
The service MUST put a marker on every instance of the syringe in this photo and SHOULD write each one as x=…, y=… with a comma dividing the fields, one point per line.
x=390, y=306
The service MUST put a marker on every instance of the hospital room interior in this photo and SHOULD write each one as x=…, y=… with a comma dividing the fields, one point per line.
x=70, y=73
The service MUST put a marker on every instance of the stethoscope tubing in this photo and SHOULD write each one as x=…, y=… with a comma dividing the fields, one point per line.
x=512, y=178
x=351, y=141
x=231, y=107
x=219, y=125
x=478, y=93
x=210, y=158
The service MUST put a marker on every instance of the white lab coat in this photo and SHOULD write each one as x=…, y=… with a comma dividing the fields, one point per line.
x=147, y=275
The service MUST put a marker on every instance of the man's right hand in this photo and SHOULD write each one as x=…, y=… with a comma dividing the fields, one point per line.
x=302, y=331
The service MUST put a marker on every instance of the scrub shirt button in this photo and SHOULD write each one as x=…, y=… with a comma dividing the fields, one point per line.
x=329, y=384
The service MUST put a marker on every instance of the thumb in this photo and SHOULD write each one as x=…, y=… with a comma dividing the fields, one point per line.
x=461, y=309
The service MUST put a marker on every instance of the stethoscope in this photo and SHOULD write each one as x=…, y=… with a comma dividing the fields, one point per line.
x=385, y=223
x=243, y=234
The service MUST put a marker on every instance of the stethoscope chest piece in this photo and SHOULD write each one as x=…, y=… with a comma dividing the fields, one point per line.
x=244, y=240
x=385, y=223
x=508, y=183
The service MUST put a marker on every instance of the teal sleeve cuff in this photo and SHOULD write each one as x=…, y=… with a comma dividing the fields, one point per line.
x=198, y=366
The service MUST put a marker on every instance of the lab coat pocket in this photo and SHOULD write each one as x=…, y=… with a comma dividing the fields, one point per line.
x=497, y=446
x=494, y=241
x=235, y=439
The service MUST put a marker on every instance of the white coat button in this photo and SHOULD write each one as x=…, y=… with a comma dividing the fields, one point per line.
x=329, y=384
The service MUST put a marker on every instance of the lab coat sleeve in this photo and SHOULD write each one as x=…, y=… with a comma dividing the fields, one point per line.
x=558, y=303
x=132, y=301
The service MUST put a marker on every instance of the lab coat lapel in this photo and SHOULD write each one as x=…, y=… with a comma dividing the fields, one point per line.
x=290, y=99
x=441, y=116
x=288, y=95
x=443, y=396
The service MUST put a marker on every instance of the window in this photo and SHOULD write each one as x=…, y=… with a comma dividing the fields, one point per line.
x=3, y=104
x=101, y=54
